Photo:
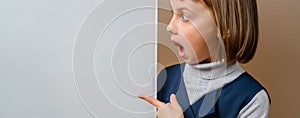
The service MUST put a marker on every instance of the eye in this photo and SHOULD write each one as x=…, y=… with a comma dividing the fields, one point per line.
x=184, y=16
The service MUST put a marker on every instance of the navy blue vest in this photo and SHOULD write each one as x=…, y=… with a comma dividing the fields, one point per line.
x=225, y=102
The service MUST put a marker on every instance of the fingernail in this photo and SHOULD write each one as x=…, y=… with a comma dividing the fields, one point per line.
x=173, y=95
x=140, y=95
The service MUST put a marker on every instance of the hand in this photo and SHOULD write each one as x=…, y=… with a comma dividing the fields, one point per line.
x=165, y=110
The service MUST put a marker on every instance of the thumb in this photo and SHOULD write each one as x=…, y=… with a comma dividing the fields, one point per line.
x=173, y=100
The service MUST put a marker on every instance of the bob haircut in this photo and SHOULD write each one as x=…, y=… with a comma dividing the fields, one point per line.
x=237, y=21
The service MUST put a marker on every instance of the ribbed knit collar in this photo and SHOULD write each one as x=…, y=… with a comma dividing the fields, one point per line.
x=211, y=70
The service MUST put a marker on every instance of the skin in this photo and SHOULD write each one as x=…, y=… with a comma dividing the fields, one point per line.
x=191, y=46
x=165, y=110
x=185, y=34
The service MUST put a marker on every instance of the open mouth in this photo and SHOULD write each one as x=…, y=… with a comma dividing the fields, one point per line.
x=180, y=50
x=179, y=47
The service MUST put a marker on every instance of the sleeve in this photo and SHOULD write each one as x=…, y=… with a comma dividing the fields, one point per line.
x=258, y=107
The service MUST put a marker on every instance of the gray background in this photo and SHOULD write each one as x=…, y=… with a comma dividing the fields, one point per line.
x=38, y=39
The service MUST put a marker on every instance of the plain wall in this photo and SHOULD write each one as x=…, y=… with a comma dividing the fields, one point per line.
x=77, y=58
x=276, y=63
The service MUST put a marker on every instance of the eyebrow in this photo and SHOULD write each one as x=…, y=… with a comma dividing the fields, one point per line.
x=184, y=8
x=181, y=9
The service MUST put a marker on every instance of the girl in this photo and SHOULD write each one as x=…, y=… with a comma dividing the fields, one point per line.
x=212, y=37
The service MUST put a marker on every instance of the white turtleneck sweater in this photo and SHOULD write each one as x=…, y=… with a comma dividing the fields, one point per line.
x=203, y=78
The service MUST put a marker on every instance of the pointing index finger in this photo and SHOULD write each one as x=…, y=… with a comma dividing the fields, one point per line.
x=156, y=103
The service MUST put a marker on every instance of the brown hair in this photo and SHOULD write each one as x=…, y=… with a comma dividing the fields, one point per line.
x=238, y=24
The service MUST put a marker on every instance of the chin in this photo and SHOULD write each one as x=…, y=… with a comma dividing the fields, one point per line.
x=190, y=61
x=195, y=61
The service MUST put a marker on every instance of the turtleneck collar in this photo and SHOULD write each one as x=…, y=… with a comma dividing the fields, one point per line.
x=211, y=70
x=200, y=79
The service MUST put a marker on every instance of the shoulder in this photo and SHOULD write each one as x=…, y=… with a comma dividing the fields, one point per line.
x=258, y=107
x=244, y=86
x=241, y=92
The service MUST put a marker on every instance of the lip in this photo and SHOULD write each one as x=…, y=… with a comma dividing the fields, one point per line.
x=180, y=51
x=180, y=48
x=174, y=41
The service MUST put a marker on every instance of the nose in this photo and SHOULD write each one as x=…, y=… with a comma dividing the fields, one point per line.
x=172, y=27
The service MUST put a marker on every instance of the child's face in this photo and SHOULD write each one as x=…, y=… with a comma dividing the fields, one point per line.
x=190, y=42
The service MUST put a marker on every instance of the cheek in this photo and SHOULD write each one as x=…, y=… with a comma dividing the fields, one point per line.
x=196, y=44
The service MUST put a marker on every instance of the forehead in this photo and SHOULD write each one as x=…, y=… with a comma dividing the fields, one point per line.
x=175, y=4
x=194, y=6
